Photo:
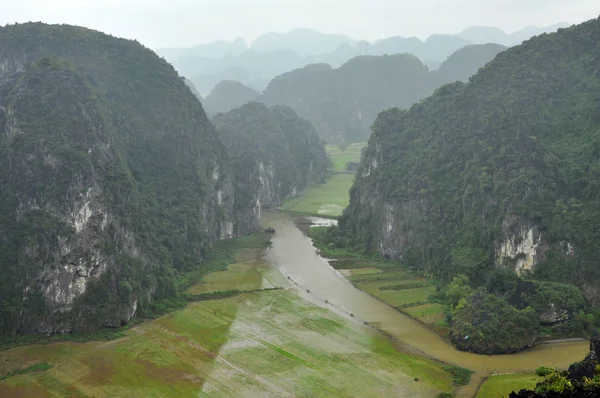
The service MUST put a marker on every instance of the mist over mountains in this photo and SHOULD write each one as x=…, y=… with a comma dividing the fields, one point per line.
x=272, y=54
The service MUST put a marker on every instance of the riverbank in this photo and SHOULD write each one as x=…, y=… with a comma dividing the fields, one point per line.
x=388, y=282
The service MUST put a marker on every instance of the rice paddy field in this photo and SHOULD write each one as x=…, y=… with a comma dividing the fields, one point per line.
x=331, y=198
x=498, y=386
x=261, y=342
x=341, y=157
x=400, y=289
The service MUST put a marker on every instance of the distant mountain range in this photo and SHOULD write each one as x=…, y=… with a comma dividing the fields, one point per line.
x=275, y=53
x=342, y=103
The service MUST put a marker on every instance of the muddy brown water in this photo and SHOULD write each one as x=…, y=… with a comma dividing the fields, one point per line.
x=294, y=255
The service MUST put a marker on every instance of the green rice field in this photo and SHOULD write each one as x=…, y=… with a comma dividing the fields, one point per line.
x=267, y=343
x=331, y=198
x=498, y=386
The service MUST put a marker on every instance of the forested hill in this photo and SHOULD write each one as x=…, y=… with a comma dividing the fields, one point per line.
x=113, y=180
x=275, y=155
x=464, y=63
x=343, y=103
x=503, y=171
x=228, y=95
x=110, y=179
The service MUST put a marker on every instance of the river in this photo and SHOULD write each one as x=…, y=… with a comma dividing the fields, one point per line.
x=294, y=255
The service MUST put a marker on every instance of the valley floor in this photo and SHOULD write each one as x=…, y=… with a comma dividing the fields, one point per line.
x=257, y=343
x=331, y=198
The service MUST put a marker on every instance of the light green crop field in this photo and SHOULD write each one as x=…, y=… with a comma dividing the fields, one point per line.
x=340, y=158
x=396, y=298
x=331, y=198
x=264, y=343
x=403, y=290
x=502, y=385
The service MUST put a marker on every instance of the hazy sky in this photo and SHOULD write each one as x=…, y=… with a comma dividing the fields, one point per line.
x=162, y=23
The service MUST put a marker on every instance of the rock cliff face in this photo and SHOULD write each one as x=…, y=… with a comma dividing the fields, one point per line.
x=113, y=180
x=488, y=173
x=275, y=154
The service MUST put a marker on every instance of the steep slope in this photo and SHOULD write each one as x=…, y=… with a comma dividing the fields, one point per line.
x=228, y=95
x=342, y=103
x=499, y=172
x=275, y=153
x=464, y=63
x=193, y=89
x=113, y=179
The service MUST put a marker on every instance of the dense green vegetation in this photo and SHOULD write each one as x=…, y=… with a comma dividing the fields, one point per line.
x=486, y=324
x=38, y=367
x=464, y=63
x=511, y=156
x=343, y=103
x=228, y=95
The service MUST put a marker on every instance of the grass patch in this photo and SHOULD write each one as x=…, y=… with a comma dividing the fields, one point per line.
x=396, y=298
x=222, y=255
x=341, y=158
x=106, y=334
x=405, y=286
x=223, y=294
x=386, y=276
x=497, y=386
x=460, y=376
x=430, y=314
x=38, y=367
x=357, y=272
x=329, y=199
